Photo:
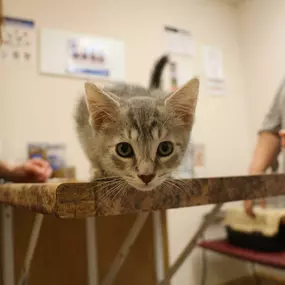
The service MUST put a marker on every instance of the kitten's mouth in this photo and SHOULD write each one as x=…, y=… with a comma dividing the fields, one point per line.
x=144, y=187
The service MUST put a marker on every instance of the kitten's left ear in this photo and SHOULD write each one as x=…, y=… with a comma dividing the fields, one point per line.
x=103, y=109
x=182, y=103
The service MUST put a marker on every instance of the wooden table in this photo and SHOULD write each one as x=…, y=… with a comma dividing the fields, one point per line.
x=88, y=200
x=81, y=200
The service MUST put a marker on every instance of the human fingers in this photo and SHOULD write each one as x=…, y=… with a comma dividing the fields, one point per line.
x=248, y=206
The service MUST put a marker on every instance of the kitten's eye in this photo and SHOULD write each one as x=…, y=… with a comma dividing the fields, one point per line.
x=124, y=150
x=165, y=149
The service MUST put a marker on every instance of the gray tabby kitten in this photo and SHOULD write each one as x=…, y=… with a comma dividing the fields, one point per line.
x=135, y=134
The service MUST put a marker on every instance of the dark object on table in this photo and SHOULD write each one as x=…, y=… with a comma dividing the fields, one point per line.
x=257, y=241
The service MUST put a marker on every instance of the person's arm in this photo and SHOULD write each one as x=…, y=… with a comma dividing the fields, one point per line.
x=5, y=170
x=268, y=144
x=32, y=170
x=266, y=151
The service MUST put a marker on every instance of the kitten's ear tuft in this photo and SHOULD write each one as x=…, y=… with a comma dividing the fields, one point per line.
x=103, y=109
x=182, y=103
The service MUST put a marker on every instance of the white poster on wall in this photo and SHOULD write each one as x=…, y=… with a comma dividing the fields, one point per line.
x=78, y=55
x=214, y=72
x=18, y=41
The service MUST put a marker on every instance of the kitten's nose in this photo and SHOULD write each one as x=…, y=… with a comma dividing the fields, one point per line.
x=146, y=178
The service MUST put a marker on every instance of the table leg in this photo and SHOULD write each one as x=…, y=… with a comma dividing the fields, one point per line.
x=91, y=248
x=158, y=246
x=125, y=248
x=191, y=245
x=31, y=248
x=7, y=245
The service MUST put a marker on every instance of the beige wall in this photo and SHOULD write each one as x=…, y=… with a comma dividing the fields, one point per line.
x=217, y=118
x=263, y=44
x=39, y=108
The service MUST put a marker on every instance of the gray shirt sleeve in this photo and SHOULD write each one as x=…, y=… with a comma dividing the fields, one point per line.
x=273, y=119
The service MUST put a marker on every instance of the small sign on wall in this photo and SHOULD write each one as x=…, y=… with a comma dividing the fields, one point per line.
x=179, y=41
x=18, y=45
x=214, y=72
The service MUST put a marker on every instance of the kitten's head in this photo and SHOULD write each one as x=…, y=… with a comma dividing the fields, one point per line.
x=142, y=139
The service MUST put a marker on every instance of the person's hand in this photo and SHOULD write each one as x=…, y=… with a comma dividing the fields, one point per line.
x=248, y=207
x=32, y=170
x=248, y=204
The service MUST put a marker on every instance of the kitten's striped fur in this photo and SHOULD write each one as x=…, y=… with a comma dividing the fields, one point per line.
x=142, y=118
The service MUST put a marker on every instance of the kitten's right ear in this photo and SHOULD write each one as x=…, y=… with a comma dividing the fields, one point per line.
x=182, y=103
x=103, y=109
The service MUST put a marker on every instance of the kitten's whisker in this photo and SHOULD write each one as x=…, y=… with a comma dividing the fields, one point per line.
x=118, y=192
x=186, y=187
x=185, y=184
x=107, y=185
x=108, y=182
x=121, y=190
x=169, y=186
x=173, y=183
x=132, y=179
x=118, y=189
x=162, y=175
x=107, y=194
x=125, y=192
x=100, y=184
x=106, y=177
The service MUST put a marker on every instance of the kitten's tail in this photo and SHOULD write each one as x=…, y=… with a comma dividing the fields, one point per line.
x=155, y=80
